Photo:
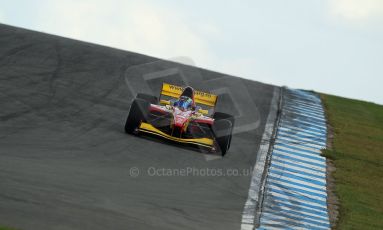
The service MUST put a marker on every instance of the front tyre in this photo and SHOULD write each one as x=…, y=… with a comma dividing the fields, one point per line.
x=137, y=113
x=220, y=116
x=222, y=130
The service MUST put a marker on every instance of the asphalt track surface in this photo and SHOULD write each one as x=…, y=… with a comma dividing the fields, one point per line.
x=64, y=157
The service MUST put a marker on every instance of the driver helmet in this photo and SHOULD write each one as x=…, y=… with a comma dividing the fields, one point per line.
x=184, y=102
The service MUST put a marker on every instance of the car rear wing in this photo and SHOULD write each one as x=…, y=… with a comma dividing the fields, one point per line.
x=203, y=99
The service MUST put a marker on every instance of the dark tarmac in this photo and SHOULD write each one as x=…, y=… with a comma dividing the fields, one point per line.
x=66, y=163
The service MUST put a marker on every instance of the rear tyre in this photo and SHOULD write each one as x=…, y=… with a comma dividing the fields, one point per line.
x=223, y=128
x=149, y=98
x=138, y=112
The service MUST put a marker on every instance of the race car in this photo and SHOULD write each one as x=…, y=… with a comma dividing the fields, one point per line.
x=182, y=115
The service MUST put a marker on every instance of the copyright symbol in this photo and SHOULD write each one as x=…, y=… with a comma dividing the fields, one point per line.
x=134, y=172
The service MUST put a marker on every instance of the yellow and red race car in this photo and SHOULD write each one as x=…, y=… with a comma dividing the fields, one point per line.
x=182, y=115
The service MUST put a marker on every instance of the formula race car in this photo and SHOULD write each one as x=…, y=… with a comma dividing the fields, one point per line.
x=181, y=115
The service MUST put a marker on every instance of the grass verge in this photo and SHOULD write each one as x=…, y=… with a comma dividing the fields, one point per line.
x=357, y=152
x=7, y=228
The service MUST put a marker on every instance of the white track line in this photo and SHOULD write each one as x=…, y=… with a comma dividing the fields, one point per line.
x=248, y=214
